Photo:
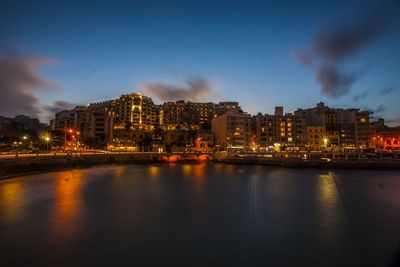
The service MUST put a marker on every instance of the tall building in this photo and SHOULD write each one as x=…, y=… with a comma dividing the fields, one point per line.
x=316, y=138
x=224, y=107
x=134, y=118
x=63, y=120
x=364, y=129
x=91, y=125
x=273, y=131
x=134, y=111
x=232, y=130
x=344, y=128
x=99, y=122
x=185, y=115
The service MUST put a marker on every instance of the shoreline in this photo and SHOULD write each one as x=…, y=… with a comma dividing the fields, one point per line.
x=12, y=168
x=320, y=164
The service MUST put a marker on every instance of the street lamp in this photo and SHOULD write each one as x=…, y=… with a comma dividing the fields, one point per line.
x=325, y=142
x=47, y=139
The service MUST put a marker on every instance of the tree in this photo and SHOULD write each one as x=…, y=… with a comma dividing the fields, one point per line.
x=147, y=140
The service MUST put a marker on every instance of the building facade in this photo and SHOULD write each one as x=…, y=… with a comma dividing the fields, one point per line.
x=273, y=131
x=344, y=128
x=134, y=118
x=185, y=115
x=232, y=131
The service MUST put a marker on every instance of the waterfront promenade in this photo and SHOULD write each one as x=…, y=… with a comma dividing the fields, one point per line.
x=12, y=165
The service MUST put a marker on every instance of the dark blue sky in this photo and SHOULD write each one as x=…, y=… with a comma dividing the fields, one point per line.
x=247, y=51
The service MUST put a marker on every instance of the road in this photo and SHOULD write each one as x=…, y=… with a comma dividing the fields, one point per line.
x=55, y=154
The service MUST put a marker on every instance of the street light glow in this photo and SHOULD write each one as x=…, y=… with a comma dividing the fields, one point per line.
x=46, y=137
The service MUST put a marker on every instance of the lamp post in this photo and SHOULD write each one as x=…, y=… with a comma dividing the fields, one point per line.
x=47, y=139
x=24, y=141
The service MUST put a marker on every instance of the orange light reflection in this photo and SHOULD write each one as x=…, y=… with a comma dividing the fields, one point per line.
x=68, y=206
x=10, y=200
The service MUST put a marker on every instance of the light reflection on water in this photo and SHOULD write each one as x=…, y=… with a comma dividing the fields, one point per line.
x=68, y=206
x=330, y=208
x=11, y=199
x=154, y=171
x=211, y=214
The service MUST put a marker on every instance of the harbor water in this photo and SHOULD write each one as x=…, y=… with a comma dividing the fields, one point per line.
x=200, y=215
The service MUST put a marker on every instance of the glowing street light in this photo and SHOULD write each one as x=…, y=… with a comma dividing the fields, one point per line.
x=325, y=142
x=47, y=139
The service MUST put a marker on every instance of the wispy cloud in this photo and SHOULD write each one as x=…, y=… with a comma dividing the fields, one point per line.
x=334, y=82
x=59, y=106
x=195, y=89
x=332, y=47
x=19, y=83
x=360, y=96
x=378, y=109
x=386, y=90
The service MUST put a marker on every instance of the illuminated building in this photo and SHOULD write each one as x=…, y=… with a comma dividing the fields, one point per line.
x=363, y=129
x=223, y=107
x=92, y=122
x=134, y=119
x=275, y=130
x=186, y=115
x=232, y=130
x=344, y=128
x=204, y=141
x=386, y=138
x=316, y=138
x=134, y=111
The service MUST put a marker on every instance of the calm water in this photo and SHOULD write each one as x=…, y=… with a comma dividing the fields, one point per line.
x=197, y=215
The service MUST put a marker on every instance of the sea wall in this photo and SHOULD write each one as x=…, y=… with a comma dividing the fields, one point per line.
x=11, y=167
x=18, y=166
x=368, y=164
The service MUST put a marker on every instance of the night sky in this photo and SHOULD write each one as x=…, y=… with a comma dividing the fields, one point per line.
x=56, y=54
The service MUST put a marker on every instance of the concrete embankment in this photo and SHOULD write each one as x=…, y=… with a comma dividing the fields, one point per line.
x=12, y=167
x=21, y=166
x=322, y=164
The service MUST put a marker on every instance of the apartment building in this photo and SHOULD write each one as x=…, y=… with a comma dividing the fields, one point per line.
x=232, y=130
x=278, y=130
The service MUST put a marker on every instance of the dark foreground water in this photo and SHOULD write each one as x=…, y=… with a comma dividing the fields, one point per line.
x=200, y=215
